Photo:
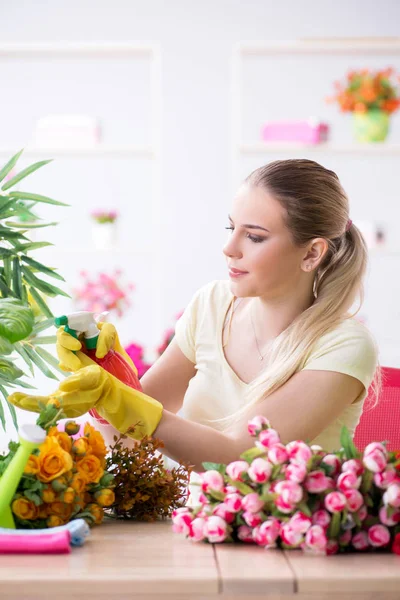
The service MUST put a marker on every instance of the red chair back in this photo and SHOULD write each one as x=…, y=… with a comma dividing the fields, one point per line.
x=383, y=421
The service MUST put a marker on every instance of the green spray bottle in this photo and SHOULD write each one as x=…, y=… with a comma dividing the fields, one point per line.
x=30, y=437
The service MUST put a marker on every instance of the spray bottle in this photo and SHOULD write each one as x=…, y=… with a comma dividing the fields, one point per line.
x=30, y=437
x=85, y=323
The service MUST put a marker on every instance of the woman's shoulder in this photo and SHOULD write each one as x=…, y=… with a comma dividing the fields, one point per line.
x=350, y=329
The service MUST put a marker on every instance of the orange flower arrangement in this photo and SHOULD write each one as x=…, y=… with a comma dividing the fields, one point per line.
x=366, y=90
x=64, y=479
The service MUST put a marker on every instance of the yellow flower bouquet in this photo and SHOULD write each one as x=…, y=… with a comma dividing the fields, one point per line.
x=65, y=478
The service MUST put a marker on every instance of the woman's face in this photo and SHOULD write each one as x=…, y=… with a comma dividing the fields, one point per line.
x=261, y=256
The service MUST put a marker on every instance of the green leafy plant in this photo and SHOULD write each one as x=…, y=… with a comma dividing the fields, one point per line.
x=24, y=312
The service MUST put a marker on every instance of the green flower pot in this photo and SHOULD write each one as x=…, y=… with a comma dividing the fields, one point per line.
x=371, y=126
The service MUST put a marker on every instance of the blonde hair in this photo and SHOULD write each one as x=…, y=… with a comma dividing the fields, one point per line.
x=316, y=206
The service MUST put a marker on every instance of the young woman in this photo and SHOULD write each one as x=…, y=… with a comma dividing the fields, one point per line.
x=277, y=339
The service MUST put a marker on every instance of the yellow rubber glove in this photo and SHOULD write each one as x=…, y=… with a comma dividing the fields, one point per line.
x=92, y=387
x=108, y=340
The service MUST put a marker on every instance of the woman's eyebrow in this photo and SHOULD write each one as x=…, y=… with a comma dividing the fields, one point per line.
x=249, y=226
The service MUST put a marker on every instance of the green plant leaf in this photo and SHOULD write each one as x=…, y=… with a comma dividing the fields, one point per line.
x=8, y=370
x=19, y=347
x=5, y=208
x=42, y=268
x=347, y=443
x=6, y=253
x=24, y=173
x=2, y=417
x=7, y=270
x=5, y=290
x=9, y=166
x=242, y=487
x=52, y=360
x=334, y=526
x=8, y=234
x=41, y=303
x=40, y=363
x=17, y=278
x=45, y=339
x=36, y=198
x=252, y=453
x=31, y=246
x=42, y=325
x=5, y=346
x=16, y=319
x=29, y=225
x=43, y=286
x=210, y=466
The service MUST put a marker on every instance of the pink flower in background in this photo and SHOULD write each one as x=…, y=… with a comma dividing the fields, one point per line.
x=135, y=352
x=104, y=292
x=104, y=216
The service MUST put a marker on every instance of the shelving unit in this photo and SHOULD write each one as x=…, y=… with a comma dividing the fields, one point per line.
x=245, y=150
x=124, y=257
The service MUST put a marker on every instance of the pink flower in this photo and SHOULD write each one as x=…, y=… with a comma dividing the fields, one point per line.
x=260, y=470
x=332, y=461
x=267, y=533
x=392, y=495
x=296, y=472
x=291, y=536
x=215, y=529
x=316, y=539
x=290, y=493
x=277, y=454
x=182, y=519
x=252, y=503
x=360, y=540
x=321, y=517
x=362, y=513
x=245, y=534
x=347, y=481
x=335, y=502
x=221, y=510
x=257, y=424
x=203, y=499
x=332, y=547
x=354, y=499
x=299, y=452
x=253, y=519
x=385, y=478
x=345, y=538
x=197, y=529
x=300, y=522
x=317, y=482
x=391, y=520
x=353, y=464
x=378, y=536
x=233, y=502
x=212, y=480
x=267, y=438
x=375, y=457
x=235, y=470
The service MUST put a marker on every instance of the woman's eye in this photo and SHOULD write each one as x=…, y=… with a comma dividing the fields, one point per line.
x=255, y=238
x=231, y=228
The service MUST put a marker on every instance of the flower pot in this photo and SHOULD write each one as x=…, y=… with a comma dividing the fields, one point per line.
x=104, y=235
x=371, y=126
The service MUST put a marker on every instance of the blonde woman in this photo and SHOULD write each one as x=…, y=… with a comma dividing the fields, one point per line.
x=276, y=339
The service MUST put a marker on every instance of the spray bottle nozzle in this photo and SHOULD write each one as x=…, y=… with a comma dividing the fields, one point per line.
x=80, y=322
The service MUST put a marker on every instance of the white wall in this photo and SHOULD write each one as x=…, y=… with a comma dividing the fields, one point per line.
x=196, y=40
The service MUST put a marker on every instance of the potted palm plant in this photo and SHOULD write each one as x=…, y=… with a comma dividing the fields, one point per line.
x=24, y=311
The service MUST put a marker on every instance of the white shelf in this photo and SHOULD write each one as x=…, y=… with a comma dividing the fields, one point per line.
x=334, y=148
x=102, y=150
x=318, y=46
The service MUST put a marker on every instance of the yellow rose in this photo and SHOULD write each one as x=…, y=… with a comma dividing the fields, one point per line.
x=79, y=503
x=97, y=512
x=96, y=441
x=32, y=466
x=48, y=494
x=71, y=427
x=78, y=483
x=54, y=521
x=63, y=438
x=81, y=447
x=60, y=509
x=90, y=467
x=68, y=495
x=53, y=460
x=42, y=511
x=105, y=497
x=25, y=509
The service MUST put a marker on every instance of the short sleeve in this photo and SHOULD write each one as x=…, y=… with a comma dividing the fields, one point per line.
x=348, y=349
x=185, y=328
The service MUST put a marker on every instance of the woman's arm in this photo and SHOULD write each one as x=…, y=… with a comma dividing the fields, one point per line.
x=168, y=379
x=301, y=409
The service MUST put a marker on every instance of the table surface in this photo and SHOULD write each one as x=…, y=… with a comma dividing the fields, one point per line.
x=122, y=560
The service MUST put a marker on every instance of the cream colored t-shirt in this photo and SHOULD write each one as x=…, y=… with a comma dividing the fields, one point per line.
x=216, y=391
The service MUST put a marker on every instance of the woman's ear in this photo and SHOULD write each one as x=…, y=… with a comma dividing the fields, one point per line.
x=316, y=251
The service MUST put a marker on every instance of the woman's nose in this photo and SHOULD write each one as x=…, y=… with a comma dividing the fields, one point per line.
x=231, y=247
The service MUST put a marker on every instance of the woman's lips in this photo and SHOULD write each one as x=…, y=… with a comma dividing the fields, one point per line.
x=235, y=273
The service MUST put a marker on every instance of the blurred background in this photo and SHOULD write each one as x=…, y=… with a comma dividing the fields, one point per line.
x=155, y=111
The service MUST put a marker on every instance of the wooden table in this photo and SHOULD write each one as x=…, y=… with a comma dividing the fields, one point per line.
x=127, y=560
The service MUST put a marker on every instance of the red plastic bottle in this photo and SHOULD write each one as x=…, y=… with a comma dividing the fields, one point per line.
x=116, y=365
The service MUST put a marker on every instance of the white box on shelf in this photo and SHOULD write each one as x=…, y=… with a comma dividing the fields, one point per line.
x=65, y=131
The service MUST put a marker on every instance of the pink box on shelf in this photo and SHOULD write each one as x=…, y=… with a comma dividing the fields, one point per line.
x=305, y=132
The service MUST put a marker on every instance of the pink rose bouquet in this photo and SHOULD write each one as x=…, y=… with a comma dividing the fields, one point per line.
x=299, y=496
